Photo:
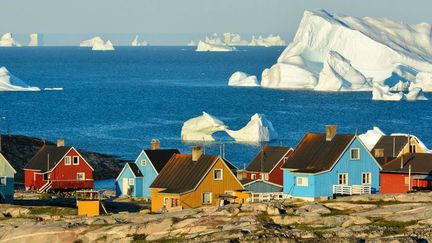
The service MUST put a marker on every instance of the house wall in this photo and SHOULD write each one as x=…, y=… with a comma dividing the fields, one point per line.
x=260, y=186
x=29, y=180
x=413, y=141
x=276, y=176
x=395, y=183
x=126, y=173
x=157, y=199
x=149, y=174
x=5, y=168
x=8, y=190
x=209, y=184
x=39, y=181
x=290, y=187
x=65, y=176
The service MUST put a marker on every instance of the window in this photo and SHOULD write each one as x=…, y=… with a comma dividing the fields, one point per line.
x=367, y=178
x=81, y=176
x=355, y=154
x=131, y=182
x=3, y=181
x=302, y=181
x=265, y=176
x=76, y=160
x=174, y=202
x=379, y=153
x=206, y=198
x=253, y=177
x=412, y=149
x=166, y=201
x=218, y=174
x=143, y=162
x=67, y=160
x=406, y=180
x=343, y=179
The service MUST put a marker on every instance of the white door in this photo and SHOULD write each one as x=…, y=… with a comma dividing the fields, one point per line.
x=125, y=186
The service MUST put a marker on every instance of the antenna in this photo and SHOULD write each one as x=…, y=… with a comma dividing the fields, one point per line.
x=356, y=132
x=48, y=161
x=394, y=146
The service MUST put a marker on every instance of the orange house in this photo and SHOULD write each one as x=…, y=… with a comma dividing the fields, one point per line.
x=195, y=180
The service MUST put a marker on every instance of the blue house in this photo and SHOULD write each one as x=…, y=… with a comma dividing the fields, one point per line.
x=327, y=164
x=262, y=190
x=7, y=175
x=135, y=178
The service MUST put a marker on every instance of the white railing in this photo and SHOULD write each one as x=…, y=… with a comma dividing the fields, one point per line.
x=351, y=190
x=266, y=197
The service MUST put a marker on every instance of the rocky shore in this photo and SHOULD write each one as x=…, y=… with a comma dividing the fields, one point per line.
x=19, y=149
x=367, y=218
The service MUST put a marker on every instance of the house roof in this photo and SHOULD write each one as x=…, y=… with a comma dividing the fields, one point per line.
x=246, y=181
x=386, y=143
x=159, y=157
x=47, y=158
x=315, y=154
x=421, y=163
x=267, y=159
x=135, y=170
x=181, y=174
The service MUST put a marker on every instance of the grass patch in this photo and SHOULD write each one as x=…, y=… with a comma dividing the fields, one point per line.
x=392, y=227
x=138, y=237
x=48, y=210
x=337, y=212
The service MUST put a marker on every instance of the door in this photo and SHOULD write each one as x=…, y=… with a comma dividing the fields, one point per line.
x=125, y=186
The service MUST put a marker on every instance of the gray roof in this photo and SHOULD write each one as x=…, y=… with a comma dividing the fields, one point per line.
x=159, y=157
x=47, y=158
x=267, y=159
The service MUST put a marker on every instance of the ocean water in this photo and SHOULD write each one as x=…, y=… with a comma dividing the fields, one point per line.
x=116, y=102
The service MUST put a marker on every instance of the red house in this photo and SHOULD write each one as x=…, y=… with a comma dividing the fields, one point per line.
x=408, y=172
x=266, y=165
x=58, y=168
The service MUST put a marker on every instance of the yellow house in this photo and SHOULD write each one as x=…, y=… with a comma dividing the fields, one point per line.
x=195, y=180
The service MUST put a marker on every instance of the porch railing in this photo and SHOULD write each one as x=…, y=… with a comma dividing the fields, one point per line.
x=351, y=190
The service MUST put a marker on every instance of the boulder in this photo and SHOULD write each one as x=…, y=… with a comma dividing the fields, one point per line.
x=314, y=207
x=344, y=206
x=272, y=210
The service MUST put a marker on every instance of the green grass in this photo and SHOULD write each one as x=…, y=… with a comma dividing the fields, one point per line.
x=337, y=212
x=392, y=227
x=48, y=210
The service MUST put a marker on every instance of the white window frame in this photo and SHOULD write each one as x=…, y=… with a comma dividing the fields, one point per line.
x=265, y=176
x=4, y=178
x=73, y=160
x=165, y=200
x=346, y=179
x=253, y=176
x=143, y=162
x=202, y=198
x=83, y=174
x=368, y=177
x=67, y=160
x=358, y=151
x=302, y=181
x=131, y=180
x=221, y=173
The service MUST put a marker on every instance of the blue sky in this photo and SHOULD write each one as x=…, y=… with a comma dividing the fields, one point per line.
x=170, y=17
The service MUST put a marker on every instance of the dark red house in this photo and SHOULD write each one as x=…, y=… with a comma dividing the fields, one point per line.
x=266, y=165
x=408, y=172
x=58, y=168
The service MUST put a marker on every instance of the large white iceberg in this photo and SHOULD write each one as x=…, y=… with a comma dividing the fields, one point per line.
x=7, y=40
x=375, y=48
x=243, y=79
x=108, y=46
x=371, y=137
x=268, y=41
x=213, y=47
x=9, y=82
x=232, y=39
x=136, y=42
x=201, y=128
x=91, y=42
x=339, y=75
x=258, y=129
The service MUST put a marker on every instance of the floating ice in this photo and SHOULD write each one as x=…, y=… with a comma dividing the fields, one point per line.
x=267, y=41
x=374, y=46
x=242, y=79
x=136, y=42
x=415, y=94
x=8, y=82
x=91, y=42
x=213, y=47
x=7, y=41
x=34, y=39
x=232, y=39
x=108, y=46
x=423, y=80
x=371, y=137
x=201, y=128
x=383, y=92
x=258, y=129
x=400, y=87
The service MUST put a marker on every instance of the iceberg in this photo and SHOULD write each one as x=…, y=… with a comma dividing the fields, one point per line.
x=204, y=46
x=267, y=41
x=415, y=94
x=7, y=41
x=400, y=87
x=91, y=42
x=371, y=137
x=9, y=82
x=135, y=42
x=34, y=40
x=242, y=79
x=192, y=43
x=339, y=75
x=383, y=92
x=232, y=39
x=375, y=47
x=423, y=80
x=201, y=128
x=258, y=129
x=108, y=46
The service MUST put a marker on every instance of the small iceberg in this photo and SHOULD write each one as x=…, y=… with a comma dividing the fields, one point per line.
x=204, y=46
x=8, y=82
x=201, y=128
x=34, y=39
x=108, y=46
x=243, y=79
x=383, y=92
x=136, y=42
x=53, y=89
x=268, y=41
x=232, y=39
x=371, y=137
x=7, y=40
x=400, y=87
x=91, y=42
x=258, y=129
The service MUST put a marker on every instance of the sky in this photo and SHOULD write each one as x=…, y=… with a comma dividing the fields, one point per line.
x=170, y=18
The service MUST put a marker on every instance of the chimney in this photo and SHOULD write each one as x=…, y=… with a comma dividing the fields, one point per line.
x=196, y=153
x=60, y=143
x=330, y=132
x=155, y=144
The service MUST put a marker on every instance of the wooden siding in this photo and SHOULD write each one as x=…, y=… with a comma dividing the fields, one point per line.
x=395, y=183
x=262, y=187
x=8, y=190
x=149, y=174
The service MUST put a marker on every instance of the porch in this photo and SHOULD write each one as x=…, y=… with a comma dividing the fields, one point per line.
x=351, y=190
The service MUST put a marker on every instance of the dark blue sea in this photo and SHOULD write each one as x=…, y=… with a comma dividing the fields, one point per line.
x=116, y=102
